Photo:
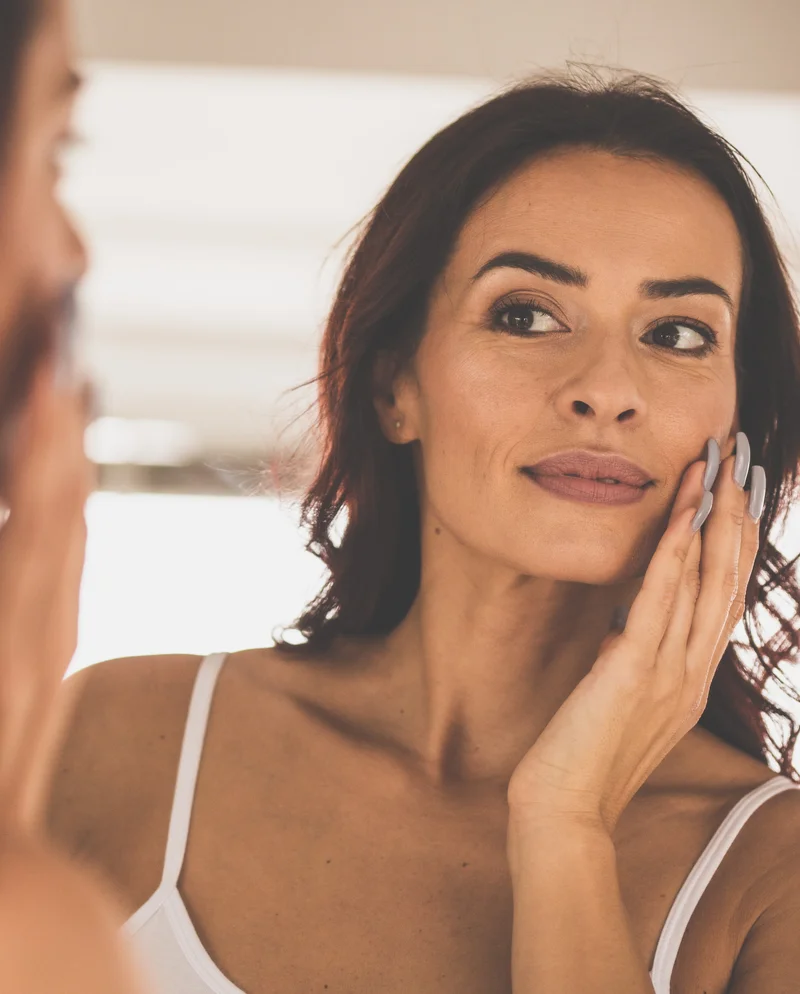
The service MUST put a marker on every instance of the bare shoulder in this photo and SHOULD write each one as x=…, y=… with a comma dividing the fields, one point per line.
x=115, y=775
x=769, y=957
x=773, y=845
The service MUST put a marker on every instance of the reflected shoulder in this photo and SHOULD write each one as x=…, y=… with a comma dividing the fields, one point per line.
x=114, y=777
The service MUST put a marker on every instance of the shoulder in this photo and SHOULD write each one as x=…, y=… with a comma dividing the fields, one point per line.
x=773, y=844
x=769, y=958
x=115, y=774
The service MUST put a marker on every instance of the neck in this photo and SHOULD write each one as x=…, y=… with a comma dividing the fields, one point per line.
x=483, y=661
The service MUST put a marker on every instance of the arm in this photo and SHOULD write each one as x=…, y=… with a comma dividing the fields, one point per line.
x=59, y=927
x=571, y=930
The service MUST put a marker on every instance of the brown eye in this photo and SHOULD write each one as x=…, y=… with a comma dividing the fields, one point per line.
x=522, y=317
x=680, y=336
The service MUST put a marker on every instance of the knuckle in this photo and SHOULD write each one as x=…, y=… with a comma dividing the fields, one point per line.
x=737, y=514
x=670, y=592
x=692, y=580
x=730, y=582
x=681, y=553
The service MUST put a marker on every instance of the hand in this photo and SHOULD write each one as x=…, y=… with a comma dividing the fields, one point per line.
x=650, y=683
x=60, y=924
x=42, y=547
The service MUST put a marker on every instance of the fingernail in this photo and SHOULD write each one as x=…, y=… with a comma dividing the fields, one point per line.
x=712, y=464
x=618, y=618
x=703, y=511
x=758, y=490
x=741, y=463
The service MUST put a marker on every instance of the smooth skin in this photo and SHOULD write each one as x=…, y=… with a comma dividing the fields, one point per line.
x=422, y=730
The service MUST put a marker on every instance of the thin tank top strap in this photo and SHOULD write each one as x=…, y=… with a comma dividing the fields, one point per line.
x=703, y=870
x=188, y=766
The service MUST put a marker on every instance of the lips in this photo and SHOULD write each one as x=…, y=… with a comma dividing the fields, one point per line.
x=592, y=466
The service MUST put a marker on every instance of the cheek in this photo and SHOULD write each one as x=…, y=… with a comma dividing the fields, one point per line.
x=480, y=417
x=480, y=402
x=38, y=233
x=686, y=411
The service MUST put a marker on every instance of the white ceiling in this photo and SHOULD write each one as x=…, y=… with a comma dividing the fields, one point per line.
x=213, y=199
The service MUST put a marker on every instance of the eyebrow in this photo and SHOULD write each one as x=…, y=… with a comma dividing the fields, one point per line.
x=570, y=276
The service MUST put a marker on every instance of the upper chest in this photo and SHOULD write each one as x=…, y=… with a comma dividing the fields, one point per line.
x=309, y=866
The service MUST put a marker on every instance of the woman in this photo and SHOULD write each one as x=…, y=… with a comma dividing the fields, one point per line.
x=58, y=927
x=459, y=778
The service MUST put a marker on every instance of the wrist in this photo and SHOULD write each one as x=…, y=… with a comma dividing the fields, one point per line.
x=535, y=841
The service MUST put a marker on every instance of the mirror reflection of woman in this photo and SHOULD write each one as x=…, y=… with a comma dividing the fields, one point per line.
x=58, y=923
x=456, y=774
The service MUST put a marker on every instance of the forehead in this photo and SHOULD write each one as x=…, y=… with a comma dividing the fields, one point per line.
x=46, y=70
x=617, y=218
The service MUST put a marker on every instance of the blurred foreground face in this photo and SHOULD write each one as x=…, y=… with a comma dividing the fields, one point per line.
x=41, y=255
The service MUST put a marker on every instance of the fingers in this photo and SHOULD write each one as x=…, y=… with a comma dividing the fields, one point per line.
x=43, y=540
x=672, y=650
x=659, y=596
x=42, y=548
x=730, y=545
x=47, y=459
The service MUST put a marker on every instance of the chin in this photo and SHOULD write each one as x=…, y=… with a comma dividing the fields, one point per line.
x=589, y=563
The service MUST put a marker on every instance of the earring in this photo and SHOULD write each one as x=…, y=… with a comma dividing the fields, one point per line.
x=397, y=424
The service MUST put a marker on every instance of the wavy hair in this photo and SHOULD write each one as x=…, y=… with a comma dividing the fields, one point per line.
x=367, y=484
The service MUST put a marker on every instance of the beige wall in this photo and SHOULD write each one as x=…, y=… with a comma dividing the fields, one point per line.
x=742, y=44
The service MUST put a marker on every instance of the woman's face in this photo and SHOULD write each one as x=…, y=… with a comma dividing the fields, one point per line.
x=515, y=366
x=41, y=254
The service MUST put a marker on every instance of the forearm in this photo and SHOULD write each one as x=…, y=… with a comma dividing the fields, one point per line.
x=59, y=928
x=571, y=929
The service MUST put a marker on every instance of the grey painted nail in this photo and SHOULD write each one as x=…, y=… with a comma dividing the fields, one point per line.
x=703, y=511
x=712, y=464
x=741, y=464
x=758, y=490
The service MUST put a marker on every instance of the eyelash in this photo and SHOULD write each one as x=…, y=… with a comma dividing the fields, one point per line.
x=506, y=304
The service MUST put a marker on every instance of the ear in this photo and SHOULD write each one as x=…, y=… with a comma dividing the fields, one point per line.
x=390, y=397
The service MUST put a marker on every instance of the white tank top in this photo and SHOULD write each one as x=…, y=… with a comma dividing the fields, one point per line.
x=176, y=962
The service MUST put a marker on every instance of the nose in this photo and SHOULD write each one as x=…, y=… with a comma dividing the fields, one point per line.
x=605, y=388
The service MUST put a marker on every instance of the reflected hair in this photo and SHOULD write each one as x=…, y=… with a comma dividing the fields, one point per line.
x=17, y=20
x=361, y=510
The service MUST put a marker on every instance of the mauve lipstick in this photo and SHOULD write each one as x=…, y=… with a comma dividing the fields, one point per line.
x=585, y=476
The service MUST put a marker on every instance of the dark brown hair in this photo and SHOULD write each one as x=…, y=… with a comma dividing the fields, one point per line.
x=365, y=486
x=17, y=19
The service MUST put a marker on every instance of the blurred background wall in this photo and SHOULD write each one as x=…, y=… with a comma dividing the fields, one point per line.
x=230, y=146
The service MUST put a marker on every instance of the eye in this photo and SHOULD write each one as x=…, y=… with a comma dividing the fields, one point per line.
x=518, y=317
x=679, y=330
x=526, y=318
